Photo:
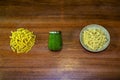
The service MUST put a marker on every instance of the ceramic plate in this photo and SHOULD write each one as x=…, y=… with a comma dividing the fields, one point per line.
x=95, y=26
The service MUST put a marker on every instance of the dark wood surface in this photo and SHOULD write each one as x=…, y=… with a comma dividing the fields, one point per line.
x=71, y=63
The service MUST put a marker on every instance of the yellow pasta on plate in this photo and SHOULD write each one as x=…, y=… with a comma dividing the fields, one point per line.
x=94, y=38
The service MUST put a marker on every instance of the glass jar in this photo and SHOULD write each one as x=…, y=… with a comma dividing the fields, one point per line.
x=55, y=41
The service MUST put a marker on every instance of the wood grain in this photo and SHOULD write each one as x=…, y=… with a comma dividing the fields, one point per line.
x=73, y=62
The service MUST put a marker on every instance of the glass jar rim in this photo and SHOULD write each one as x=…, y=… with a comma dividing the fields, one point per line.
x=54, y=32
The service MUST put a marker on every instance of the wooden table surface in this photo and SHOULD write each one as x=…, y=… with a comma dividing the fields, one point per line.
x=73, y=62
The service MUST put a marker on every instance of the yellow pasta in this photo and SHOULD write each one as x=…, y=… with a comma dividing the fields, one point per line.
x=22, y=40
x=94, y=38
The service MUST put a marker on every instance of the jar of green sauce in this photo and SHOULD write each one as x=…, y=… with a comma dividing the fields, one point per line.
x=55, y=41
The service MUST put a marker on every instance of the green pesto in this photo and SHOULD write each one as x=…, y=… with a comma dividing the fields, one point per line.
x=55, y=41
